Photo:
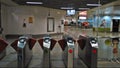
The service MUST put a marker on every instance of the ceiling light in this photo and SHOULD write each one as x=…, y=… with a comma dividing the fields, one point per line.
x=82, y=17
x=93, y=4
x=34, y=2
x=66, y=7
x=83, y=8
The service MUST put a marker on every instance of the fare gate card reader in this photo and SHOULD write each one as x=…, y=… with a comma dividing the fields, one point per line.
x=70, y=43
x=22, y=42
x=93, y=42
x=47, y=42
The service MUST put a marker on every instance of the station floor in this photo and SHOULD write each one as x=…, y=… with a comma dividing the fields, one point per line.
x=10, y=60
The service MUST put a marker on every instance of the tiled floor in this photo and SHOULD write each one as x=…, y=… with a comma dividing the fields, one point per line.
x=10, y=60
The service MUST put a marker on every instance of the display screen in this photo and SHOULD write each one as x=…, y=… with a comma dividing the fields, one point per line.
x=70, y=12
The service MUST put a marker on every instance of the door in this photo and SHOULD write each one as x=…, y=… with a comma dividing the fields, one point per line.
x=50, y=24
x=115, y=27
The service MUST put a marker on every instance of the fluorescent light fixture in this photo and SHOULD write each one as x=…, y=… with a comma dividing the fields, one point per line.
x=34, y=2
x=82, y=18
x=66, y=7
x=93, y=4
x=83, y=8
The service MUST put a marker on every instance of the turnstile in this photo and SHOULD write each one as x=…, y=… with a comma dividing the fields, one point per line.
x=47, y=44
x=87, y=50
x=23, y=46
x=3, y=45
x=67, y=44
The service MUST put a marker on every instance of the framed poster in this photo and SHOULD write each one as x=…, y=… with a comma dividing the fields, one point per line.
x=30, y=19
x=50, y=24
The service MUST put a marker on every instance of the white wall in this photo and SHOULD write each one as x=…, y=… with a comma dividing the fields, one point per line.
x=4, y=18
x=17, y=14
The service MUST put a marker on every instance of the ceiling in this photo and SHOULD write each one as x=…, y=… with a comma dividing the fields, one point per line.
x=57, y=4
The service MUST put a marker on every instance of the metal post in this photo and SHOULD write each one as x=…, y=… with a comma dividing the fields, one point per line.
x=98, y=15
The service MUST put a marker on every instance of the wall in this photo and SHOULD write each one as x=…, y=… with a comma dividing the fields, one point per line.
x=4, y=18
x=107, y=13
x=99, y=21
x=14, y=20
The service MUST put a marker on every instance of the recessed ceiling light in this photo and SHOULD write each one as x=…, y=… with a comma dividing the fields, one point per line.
x=34, y=2
x=93, y=4
x=66, y=8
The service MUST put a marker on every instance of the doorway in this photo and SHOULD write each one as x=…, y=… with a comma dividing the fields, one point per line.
x=115, y=26
x=50, y=24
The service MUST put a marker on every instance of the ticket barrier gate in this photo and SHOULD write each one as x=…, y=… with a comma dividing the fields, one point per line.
x=47, y=44
x=23, y=46
x=67, y=44
x=87, y=51
x=3, y=45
